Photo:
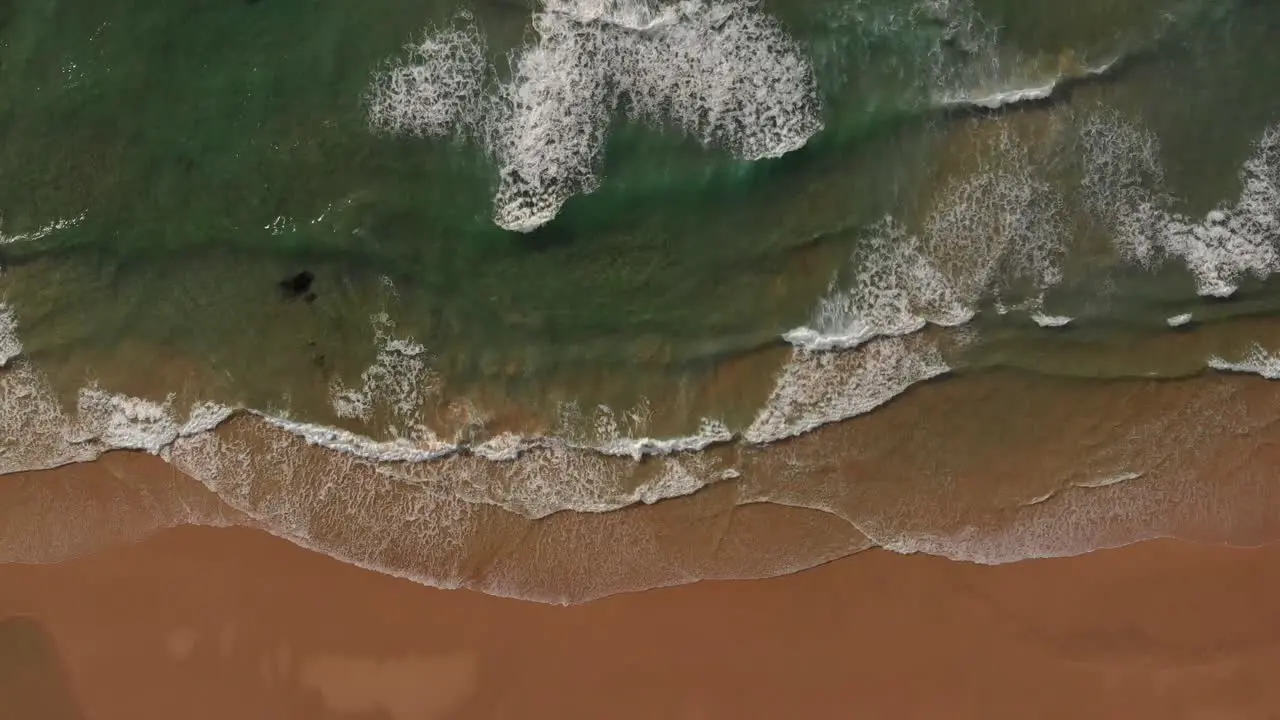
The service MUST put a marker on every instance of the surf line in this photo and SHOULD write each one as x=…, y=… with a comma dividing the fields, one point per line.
x=1056, y=91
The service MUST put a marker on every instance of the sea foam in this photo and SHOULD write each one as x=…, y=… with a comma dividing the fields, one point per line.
x=42, y=232
x=419, y=497
x=722, y=72
x=10, y=345
x=1257, y=362
x=396, y=385
x=33, y=424
x=999, y=225
x=818, y=388
x=1025, y=93
x=1122, y=175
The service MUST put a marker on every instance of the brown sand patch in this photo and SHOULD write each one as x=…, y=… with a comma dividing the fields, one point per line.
x=227, y=639
x=34, y=684
x=181, y=642
x=414, y=688
x=1159, y=630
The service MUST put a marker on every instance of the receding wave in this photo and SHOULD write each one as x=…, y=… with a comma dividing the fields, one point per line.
x=812, y=389
x=1063, y=490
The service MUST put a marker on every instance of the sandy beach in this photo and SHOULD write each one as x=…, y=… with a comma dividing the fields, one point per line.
x=232, y=623
x=640, y=360
x=121, y=600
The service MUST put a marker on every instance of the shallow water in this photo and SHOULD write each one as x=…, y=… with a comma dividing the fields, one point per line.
x=1035, y=199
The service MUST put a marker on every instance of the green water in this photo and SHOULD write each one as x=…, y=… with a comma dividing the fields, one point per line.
x=213, y=148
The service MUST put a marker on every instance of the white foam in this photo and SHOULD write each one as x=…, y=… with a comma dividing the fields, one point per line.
x=1232, y=241
x=1038, y=499
x=817, y=388
x=531, y=476
x=710, y=432
x=557, y=476
x=726, y=74
x=1178, y=320
x=676, y=480
x=1121, y=165
x=398, y=384
x=544, y=475
x=413, y=521
x=10, y=345
x=1102, y=482
x=124, y=422
x=1257, y=362
x=272, y=478
x=1025, y=93
x=1002, y=98
x=997, y=226
x=1109, y=480
x=281, y=225
x=607, y=432
x=504, y=447
x=437, y=89
x=401, y=385
x=894, y=290
x=41, y=232
x=639, y=15
x=32, y=422
x=361, y=446
x=121, y=422
x=722, y=72
x=204, y=417
x=550, y=126
x=1001, y=225
x=1051, y=321
x=36, y=432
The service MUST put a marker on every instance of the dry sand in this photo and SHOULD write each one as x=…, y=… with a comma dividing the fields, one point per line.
x=222, y=623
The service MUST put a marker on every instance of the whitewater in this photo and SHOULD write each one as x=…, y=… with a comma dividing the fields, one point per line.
x=871, y=340
x=728, y=76
x=722, y=72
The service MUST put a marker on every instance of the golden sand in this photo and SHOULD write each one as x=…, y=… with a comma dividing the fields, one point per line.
x=1158, y=630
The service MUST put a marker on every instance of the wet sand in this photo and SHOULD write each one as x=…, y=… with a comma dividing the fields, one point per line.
x=232, y=623
x=992, y=466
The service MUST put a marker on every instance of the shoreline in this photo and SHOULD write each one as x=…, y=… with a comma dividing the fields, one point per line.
x=230, y=622
x=944, y=470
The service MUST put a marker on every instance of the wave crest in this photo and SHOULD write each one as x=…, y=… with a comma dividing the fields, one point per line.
x=1122, y=165
x=721, y=72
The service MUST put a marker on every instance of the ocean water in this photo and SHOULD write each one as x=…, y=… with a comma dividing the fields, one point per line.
x=565, y=298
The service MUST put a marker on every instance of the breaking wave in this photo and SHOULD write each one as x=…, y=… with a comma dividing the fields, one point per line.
x=1005, y=227
x=1257, y=362
x=721, y=72
x=1001, y=225
x=1033, y=92
x=1123, y=174
x=727, y=75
